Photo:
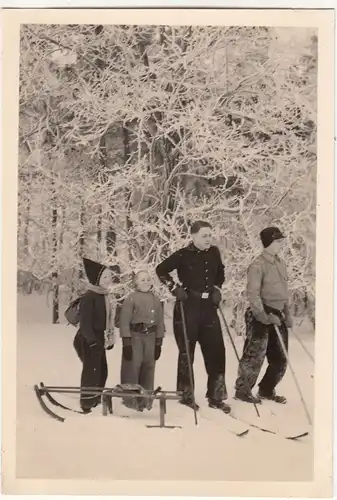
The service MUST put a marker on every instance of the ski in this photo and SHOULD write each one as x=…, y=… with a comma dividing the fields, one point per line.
x=294, y=436
x=239, y=429
x=243, y=432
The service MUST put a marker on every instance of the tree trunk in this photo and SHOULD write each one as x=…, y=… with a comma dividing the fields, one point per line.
x=127, y=153
x=26, y=227
x=99, y=228
x=111, y=242
x=81, y=240
x=55, y=286
x=111, y=233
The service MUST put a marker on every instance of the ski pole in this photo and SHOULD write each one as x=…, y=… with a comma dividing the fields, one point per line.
x=293, y=373
x=188, y=360
x=302, y=345
x=237, y=357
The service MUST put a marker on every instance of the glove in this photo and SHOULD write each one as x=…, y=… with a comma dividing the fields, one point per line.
x=262, y=317
x=127, y=352
x=274, y=320
x=157, y=349
x=157, y=352
x=216, y=296
x=180, y=293
x=127, y=348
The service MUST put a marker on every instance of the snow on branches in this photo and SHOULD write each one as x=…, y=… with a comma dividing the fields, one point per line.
x=132, y=132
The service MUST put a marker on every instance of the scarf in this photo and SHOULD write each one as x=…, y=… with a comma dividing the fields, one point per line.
x=110, y=313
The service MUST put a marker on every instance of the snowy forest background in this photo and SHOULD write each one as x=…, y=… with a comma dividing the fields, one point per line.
x=129, y=133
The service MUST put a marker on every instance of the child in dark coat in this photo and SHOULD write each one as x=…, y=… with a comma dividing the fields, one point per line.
x=96, y=331
x=142, y=330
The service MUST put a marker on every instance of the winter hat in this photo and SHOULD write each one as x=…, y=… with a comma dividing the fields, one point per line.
x=269, y=235
x=93, y=270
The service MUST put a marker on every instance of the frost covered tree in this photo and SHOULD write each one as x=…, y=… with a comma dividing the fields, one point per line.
x=128, y=133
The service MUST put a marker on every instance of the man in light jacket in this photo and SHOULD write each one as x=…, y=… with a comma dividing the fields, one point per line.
x=268, y=296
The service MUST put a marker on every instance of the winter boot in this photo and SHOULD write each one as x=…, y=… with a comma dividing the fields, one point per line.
x=88, y=406
x=247, y=398
x=272, y=397
x=86, y=410
x=186, y=401
x=219, y=405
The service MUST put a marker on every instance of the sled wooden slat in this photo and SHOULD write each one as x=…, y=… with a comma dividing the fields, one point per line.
x=173, y=395
x=168, y=395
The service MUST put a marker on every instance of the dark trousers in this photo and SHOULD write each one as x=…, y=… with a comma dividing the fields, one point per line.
x=203, y=326
x=262, y=341
x=94, y=370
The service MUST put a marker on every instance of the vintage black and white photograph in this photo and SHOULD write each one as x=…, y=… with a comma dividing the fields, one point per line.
x=166, y=252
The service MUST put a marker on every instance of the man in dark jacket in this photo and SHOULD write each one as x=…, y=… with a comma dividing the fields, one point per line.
x=201, y=275
x=267, y=292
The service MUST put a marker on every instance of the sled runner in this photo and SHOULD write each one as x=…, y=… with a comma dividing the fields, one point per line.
x=56, y=403
x=107, y=395
x=49, y=412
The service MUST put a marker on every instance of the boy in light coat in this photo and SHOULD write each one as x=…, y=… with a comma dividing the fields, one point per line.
x=142, y=331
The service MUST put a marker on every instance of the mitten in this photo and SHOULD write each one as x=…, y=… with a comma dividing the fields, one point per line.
x=127, y=349
x=216, y=296
x=127, y=352
x=157, y=349
x=180, y=293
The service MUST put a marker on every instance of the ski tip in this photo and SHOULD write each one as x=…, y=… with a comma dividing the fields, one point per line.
x=242, y=434
x=298, y=436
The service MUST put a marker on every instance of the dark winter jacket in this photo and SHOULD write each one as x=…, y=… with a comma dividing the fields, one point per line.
x=93, y=317
x=198, y=270
x=142, y=307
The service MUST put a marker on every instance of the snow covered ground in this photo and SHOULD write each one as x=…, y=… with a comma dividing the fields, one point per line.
x=112, y=447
